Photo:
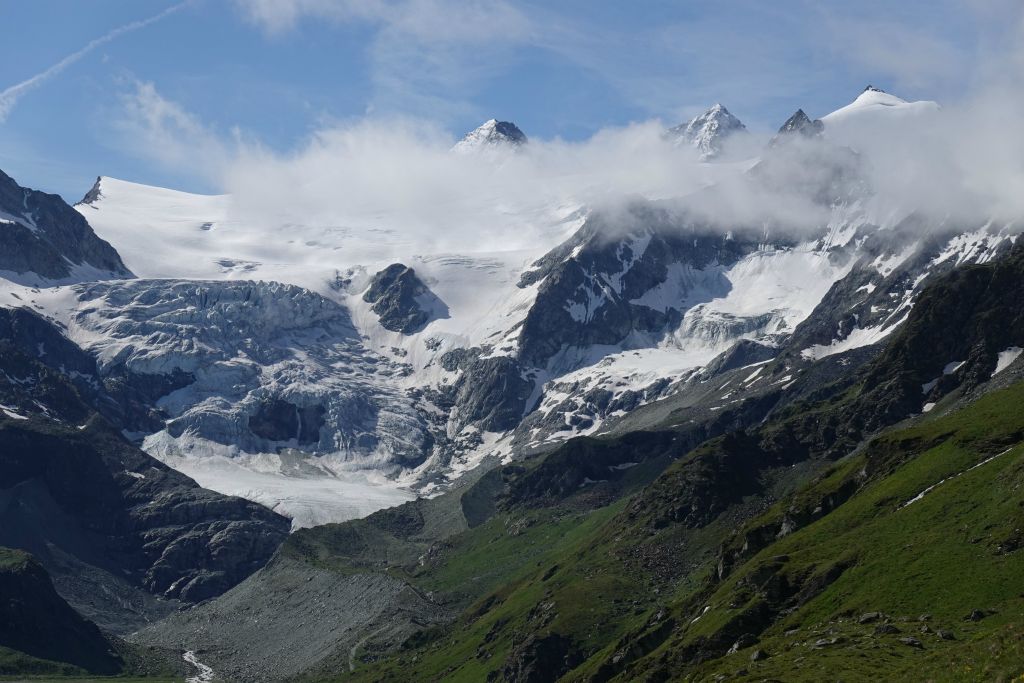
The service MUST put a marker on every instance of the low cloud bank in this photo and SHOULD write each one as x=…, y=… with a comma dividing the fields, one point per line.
x=958, y=164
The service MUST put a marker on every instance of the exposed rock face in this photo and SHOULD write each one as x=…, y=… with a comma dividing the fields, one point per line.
x=94, y=194
x=42, y=237
x=279, y=420
x=94, y=497
x=952, y=338
x=600, y=290
x=492, y=393
x=708, y=131
x=402, y=301
x=95, y=510
x=29, y=339
x=798, y=124
x=743, y=353
x=541, y=658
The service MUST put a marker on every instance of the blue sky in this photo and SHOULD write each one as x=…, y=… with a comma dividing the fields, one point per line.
x=274, y=72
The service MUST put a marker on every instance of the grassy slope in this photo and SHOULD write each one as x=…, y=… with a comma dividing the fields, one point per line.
x=953, y=551
x=577, y=573
x=566, y=569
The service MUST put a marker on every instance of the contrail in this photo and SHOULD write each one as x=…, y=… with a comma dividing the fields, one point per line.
x=10, y=96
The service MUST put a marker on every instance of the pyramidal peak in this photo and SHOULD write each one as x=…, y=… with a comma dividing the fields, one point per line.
x=492, y=133
x=707, y=132
x=798, y=124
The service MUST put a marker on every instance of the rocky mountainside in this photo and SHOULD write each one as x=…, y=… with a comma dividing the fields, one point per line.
x=125, y=538
x=401, y=301
x=798, y=124
x=42, y=239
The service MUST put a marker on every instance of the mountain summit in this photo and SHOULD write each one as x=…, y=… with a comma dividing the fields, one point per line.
x=798, y=124
x=707, y=132
x=492, y=133
x=872, y=101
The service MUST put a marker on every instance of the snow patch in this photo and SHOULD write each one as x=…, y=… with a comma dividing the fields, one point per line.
x=12, y=413
x=858, y=337
x=931, y=488
x=1006, y=358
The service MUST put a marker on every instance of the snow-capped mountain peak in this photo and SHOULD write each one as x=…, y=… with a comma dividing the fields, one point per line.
x=707, y=131
x=873, y=95
x=491, y=134
x=875, y=115
x=873, y=99
x=798, y=124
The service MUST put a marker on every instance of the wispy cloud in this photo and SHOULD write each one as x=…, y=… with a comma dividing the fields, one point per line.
x=170, y=135
x=10, y=96
x=426, y=56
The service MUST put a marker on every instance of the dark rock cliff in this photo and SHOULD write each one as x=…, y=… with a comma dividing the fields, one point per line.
x=41, y=234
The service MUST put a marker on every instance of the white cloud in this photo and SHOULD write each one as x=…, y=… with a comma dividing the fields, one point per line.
x=400, y=174
x=425, y=55
x=10, y=96
x=433, y=21
x=907, y=55
x=161, y=130
x=964, y=162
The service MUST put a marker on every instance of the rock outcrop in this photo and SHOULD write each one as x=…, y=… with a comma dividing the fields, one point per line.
x=403, y=302
x=43, y=239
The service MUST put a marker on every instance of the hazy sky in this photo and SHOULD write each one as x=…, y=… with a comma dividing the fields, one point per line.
x=115, y=87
